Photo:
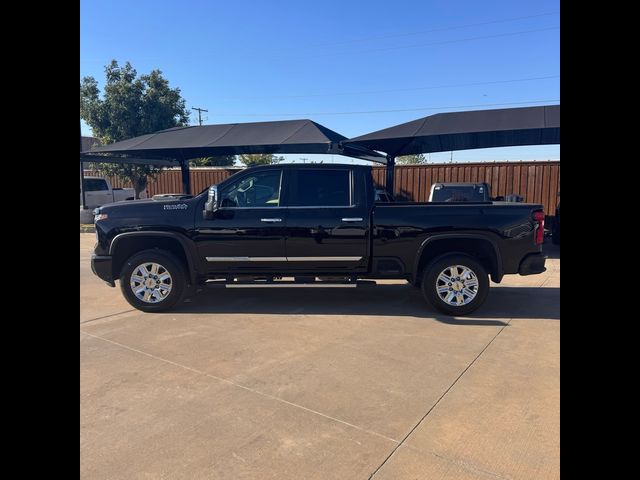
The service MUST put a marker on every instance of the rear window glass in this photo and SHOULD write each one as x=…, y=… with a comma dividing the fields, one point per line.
x=458, y=194
x=321, y=188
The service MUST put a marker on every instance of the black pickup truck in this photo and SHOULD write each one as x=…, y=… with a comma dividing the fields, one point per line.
x=299, y=225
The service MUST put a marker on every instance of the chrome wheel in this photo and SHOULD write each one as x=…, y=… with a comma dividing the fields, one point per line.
x=457, y=285
x=151, y=282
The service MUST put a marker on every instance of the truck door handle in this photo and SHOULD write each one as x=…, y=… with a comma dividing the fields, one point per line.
x=354, y=219
x=270, y=220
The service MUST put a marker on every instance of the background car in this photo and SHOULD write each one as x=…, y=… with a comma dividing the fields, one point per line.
x=99, y=191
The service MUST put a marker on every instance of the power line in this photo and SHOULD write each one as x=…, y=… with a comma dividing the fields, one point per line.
x=375, y=92
x=302, y=115
x=444, y=42
x=441, y=29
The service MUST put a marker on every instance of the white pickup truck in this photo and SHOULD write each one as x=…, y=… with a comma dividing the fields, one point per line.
x=98, y=192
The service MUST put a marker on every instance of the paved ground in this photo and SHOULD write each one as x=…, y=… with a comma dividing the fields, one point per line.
x=320, y=384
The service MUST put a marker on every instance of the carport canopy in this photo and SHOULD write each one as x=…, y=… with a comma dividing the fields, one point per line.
x=436, y=133
x=286, y=136
x=443, y=132
x=175, y=146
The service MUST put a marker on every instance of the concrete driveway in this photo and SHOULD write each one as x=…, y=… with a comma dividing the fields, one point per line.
x=320, y=384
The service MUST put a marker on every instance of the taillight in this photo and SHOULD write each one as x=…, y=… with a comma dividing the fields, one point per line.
x=538, y=217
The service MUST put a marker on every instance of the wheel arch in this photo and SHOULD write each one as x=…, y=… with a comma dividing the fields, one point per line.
x=482, y=247
x=126, y=244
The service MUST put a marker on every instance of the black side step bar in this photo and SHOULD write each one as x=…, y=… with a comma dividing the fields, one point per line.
x=289, y=284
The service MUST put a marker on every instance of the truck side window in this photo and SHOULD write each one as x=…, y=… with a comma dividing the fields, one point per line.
x=95, y=184
x=322, y=188
x=260, y=189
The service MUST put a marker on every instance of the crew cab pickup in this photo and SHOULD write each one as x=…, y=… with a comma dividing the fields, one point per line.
x=317, y=225
x=98, y=191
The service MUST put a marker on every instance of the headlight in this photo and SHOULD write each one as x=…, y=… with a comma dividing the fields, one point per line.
x=100, y=216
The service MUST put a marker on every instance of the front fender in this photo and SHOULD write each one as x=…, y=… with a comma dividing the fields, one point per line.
x=187, y=246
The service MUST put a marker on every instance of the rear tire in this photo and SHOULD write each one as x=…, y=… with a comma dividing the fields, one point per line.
x=153, y=280
x=467, y=289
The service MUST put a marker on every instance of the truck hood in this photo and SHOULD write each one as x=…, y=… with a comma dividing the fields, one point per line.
x=149, y=212
x=143, y=203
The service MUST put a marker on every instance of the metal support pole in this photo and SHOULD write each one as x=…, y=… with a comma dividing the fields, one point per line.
x=84, y=201
x=391, y=174
x=186, y=179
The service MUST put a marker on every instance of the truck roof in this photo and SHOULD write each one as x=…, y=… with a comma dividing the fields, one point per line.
x=308, y=165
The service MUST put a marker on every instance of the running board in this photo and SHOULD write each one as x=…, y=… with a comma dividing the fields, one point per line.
x=290, y=285
x=221, y=283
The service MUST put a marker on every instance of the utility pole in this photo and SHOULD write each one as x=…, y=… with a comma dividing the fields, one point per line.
x=200, y=110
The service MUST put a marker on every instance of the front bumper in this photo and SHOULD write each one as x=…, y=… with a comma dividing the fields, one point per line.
x=532, y=264
x=101, y=267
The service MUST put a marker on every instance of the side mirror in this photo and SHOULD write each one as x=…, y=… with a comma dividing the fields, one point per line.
x=211, y=205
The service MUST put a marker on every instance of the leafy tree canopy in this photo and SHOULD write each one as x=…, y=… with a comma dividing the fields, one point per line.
x=415, y=159
x=259, y=158
x=131, y=105
x=218, y=161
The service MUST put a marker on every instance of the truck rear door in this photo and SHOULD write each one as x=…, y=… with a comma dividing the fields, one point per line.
x=328, y=220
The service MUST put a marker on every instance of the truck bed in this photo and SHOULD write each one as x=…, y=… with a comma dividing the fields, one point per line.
x=401, y=228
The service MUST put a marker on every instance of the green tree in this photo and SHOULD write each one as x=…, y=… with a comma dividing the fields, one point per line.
x=259, y=158
x=132, y=105
x=218, y=161
x=415, y=159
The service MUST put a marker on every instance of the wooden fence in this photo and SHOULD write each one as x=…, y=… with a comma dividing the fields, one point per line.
x=537, y=182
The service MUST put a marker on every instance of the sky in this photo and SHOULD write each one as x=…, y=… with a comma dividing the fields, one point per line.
x=354, y=66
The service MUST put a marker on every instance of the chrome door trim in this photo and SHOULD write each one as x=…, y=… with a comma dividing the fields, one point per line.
x=323, y=259
x=283, y=259
x=246, y=259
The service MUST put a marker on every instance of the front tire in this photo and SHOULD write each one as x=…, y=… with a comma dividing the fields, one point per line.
x=152, y=280
x=456, y=284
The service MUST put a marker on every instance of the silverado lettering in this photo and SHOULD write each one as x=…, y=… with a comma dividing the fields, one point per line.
x=182, y=206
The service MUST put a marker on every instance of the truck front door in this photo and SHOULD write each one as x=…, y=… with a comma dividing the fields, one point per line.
x=247, y=231
x=328, y=220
